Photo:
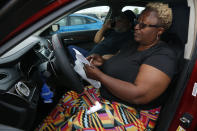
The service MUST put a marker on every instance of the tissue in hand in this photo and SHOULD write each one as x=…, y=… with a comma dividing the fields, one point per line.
x=79, y=64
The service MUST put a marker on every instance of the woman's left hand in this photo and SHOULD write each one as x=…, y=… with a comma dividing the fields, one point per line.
x=92, y=72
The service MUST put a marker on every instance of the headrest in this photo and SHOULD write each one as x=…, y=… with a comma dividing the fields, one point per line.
x=180, y=22
x=129, y=15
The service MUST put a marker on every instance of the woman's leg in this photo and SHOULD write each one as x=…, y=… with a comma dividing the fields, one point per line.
x=69, y=105
x=71, y=114
x=113, y=116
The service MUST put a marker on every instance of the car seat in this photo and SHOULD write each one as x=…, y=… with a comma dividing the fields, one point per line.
x=176, y=37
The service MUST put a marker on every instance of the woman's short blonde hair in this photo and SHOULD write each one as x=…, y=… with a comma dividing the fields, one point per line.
x=163, y=11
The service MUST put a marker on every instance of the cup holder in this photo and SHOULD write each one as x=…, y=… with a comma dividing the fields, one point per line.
x=22, y=89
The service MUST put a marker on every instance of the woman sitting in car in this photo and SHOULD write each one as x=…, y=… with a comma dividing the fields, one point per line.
x=133, y=82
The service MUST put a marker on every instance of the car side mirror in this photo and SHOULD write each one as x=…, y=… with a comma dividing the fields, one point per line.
x=55, y=27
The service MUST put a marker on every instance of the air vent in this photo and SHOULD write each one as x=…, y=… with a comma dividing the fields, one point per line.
x=2, y=76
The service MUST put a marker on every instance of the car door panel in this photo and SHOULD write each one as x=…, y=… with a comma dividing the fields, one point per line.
x=83, y=39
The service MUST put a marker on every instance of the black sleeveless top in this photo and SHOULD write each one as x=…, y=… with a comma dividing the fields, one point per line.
x=125, y=66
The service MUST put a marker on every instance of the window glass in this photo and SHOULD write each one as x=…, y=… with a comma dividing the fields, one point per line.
x=77, y=20
x=136, y=9
x=62, y=22
x=89, y=21
x=99, y=12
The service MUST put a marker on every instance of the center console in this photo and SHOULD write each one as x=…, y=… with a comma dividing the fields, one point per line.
x=18, y=100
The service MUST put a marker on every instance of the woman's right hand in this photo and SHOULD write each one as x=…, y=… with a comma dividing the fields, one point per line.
x=95, y=59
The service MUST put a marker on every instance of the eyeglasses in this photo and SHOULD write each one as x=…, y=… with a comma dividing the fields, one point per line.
x=142, y=25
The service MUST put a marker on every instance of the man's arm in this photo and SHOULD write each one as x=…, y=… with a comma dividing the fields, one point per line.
x=100, y=34
x=108, y=56
x=103, y=57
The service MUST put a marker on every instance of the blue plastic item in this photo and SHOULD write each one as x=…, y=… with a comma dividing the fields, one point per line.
x=46, y=94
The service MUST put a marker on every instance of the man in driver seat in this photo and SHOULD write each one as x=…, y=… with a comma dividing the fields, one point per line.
x=109, y=39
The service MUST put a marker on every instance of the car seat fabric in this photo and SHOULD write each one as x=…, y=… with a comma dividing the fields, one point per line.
x=176, y=37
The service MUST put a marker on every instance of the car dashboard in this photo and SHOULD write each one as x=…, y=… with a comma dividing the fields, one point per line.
x=21, y=80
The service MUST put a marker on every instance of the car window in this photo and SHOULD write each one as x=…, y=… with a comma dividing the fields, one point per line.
x=98, y=12
x=63, y=22
x=136, y=9
x=89, y=21
x=77, y=20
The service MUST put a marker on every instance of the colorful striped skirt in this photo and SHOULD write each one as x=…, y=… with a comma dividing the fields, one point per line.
x=71, y=113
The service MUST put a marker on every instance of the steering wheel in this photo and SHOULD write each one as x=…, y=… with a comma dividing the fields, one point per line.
x=64, y=64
